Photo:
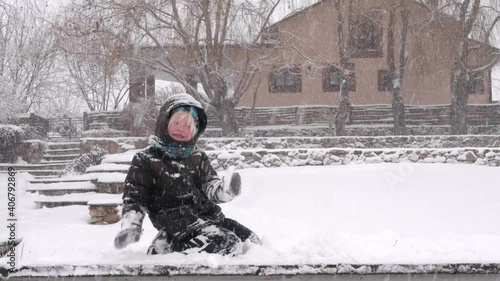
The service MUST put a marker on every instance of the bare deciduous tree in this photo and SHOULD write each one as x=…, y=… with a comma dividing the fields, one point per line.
x=344, y=109
x=470, y=25
x=397, y=73
x=27, y=53
x=94, y=63
x=220, y=42
x=97, y=81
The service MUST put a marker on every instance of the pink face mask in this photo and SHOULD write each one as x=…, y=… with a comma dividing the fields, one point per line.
x=181, y=126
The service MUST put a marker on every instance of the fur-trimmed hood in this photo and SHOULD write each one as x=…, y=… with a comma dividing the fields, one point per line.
x=166, y=110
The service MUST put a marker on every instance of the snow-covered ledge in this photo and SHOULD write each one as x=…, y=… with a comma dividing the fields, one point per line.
x=272, y=272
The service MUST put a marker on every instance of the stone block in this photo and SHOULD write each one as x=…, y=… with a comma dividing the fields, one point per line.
x=32, y=151
x=104, y=214
x=110, y=187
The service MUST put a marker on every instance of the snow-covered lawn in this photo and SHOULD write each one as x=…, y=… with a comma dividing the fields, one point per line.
x=368, y=213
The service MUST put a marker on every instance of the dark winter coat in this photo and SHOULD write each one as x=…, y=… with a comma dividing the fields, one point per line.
x=180, y=195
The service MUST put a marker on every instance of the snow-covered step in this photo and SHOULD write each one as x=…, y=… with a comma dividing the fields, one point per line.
x=61, y=188
x=60, y=157
x=122, y=162
x=108, y=168
x=65, y=151
x=63, y=145
x=105, y=133
x=49, y=177
x=63, y=180
x=56, y=162
x=39, y=172
x=98, y=126
x=73, y=199
x=58, y=138
x=120, y=158
x=26, y=167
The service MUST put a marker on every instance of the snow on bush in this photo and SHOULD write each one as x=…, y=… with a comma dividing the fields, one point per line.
x=11, y=138
x=32, y=133
x=80, y=164
x=10, y=105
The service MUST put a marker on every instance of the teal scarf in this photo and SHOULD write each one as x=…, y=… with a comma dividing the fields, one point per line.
x=171, y=149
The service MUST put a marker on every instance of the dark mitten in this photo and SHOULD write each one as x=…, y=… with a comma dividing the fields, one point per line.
x=235, y=184
x=131, y=229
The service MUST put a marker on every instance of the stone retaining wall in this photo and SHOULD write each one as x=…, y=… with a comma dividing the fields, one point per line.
x=119, y=145
x=367, y=130
x=351, y=142
x=336, y=156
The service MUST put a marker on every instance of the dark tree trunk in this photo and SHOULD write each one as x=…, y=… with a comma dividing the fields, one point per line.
x=223, y=103
x=228, y=121
x=398, y=112
x=398, y=107
x=459, y=100
x=343, y=111
x=460, y=83
x=460, y=91
x=193, y=85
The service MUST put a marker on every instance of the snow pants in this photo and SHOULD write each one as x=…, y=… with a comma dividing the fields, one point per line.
x=223, y=238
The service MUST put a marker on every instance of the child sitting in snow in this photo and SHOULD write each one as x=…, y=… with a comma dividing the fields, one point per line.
x=173, y=181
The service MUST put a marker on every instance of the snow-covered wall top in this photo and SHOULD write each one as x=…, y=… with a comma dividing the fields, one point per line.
x=254, y=270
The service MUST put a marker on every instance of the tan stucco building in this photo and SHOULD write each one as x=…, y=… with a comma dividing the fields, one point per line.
x=303, y=50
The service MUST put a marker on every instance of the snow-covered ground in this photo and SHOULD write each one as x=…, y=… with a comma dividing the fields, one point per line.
x=368, y=213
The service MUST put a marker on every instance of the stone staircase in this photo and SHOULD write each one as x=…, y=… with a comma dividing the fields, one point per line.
x=50, y=170
x=100, y=188
x=56, y=157
x=54, y=160
x=103, y=124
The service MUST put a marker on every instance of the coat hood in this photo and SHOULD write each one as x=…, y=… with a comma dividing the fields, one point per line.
x=166, y=110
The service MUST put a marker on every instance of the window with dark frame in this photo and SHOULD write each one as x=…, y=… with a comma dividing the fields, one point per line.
x=285, y=80
x=332, y=78
x=365, y=38
x=384, y=80
x=271, y=34
x=477, y=83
